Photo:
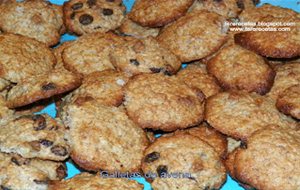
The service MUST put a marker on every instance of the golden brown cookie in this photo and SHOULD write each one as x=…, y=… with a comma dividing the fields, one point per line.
x=103, y=138
x=288, y=101
x=35, y=136
x=155, y=13
x=196, y=76
x=88, y=16
x=237, y=68
x=183, y=162
x=36, y=19
x=34, y=174
x=162, y=102
x=239, y=114
x=271, y=159
x=58, y=51
x=194, y=36
x=94, y=182
x=137, y=56
x=5, y=112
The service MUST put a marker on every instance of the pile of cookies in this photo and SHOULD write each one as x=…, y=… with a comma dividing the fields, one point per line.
x=126, y=107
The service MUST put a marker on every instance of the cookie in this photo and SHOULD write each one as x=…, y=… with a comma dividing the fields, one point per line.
x=163, y=103
x=209, y=135
x=39, y=87
x=103, y=138
x=94, y=182
x=196, y=76
x=270, y=160
x=194, y=36
x=36, y=19
x=239, y=114
x=183, y=162
x=28, y=174
x=131, y=28
x=5, y=112
x=288, y=101
x=90, y=53
x=35, y=136
x=88, y=16
x=104, y=86
x=58, y=51
x=156, y=13
x=23, y=57
x=237, y=68
x=287, y=75
x=144, y=56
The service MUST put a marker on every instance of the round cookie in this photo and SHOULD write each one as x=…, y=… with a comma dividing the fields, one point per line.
x=239, y=114
x=94, y=182
x=194, y=36
x=155, y=13
x=163, y=103
x=237, y=68
x=271, y=159
x=104, y=86
x=131, y=28
x=35, y=136
x=144, y=56
x=196, y=76
x=41, y=86
x=23, y=57
x=90, y=53
x=88, y=16
x=287, y=75
x=36, y=19
x=189, y=162
x=288, y=101
x=21, y=173
x=103, y=138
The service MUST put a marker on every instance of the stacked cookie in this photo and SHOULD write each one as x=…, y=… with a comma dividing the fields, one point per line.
x=234, y=109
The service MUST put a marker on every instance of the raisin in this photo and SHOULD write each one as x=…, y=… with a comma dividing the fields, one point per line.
x=162, y=169
x=110, y=1
x=134, y=62
x=61, y=171
x=49, y=86
x=41, y=182
x=77, y=6
x=72, y=16
x=218, y=1
x=46, y=143
x=91, y=3
x=240, y=4
x=86, y=19
x=107, y=12
x=152, y=157
x=243, y=145
x=155, y=70
x=39, y=122
x=59, y=150
x=15, y=161
x=35, y=145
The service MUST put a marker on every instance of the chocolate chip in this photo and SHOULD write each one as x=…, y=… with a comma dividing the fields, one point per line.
x=41, y=182
x=240, y=4
x=46, y=143
x=243, y=145
x=72, y=16
x=61, y=172
x=155, y=70
x=5, y=188
x=77, y=6
x=39, y=122
x=20, y=161
x=91, y=3
x=35, y=145
x=86, y=19
x=152, y=157
x=168, y=70
x=59, y=150
x=15, y=161
x=49, y=86
x=107, y=12
x=134, y=62
x=161, y=170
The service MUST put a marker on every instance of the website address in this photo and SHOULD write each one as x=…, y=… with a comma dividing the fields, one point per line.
x=268, y=29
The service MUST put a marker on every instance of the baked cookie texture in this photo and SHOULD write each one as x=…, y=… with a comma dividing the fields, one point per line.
x=24, y=174
x=131, y=28
x=88, y=16
x=58, y=52
x=41, y=86
x=239, y=114
x=35, y=136
x=90, y=53
x=271, y=159
x=199, y=164
x=288, y=101
x=36, y=19
x=196, y=76
x=104, y=86
x=23, y=57
x=194, y=36
x=162, y=102
x=94, y=182
x=103, y=138
x=146, y=55
x=237, y=68
x=5, y=112
x=156, y=13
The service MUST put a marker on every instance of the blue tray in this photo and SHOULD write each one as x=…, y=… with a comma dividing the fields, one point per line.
x=50, y=110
